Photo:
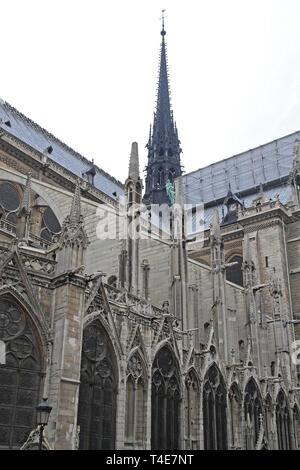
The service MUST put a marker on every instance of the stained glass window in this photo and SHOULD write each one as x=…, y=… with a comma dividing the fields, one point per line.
x=165, y=401
x=20, y=376
x=98, y=388
x=283, y=422
x=214, y=410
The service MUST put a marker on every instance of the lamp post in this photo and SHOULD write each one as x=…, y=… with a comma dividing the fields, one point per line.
x=43, y=413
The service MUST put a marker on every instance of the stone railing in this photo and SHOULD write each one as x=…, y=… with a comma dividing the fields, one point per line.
x=38, y=263
x=7, y=227
x=138, y=305
x=40, y=241
x=33, y=262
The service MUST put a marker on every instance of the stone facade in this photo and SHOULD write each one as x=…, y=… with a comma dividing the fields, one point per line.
x=143, y=343
x=142, y=333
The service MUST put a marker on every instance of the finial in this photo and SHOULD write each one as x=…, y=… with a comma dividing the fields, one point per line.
x=163, y=32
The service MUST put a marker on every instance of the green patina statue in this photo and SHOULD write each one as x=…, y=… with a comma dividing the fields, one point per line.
x=170, y=190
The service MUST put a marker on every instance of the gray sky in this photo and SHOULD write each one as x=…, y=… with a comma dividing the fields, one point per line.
x=87, y=72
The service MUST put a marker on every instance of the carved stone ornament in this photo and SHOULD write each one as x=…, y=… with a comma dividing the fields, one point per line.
x=135, y=367
x=32, y=442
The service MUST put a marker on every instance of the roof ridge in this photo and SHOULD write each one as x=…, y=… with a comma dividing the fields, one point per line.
x=58, y=141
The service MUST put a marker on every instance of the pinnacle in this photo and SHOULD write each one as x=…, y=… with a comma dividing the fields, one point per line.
x=75, y=214
x=134, y=168
x=215, y=226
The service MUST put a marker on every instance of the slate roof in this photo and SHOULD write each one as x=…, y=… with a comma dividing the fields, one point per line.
x=268, y=164
x=39, y=139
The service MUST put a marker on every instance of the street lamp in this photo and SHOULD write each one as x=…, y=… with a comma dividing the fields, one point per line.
x=42, y=416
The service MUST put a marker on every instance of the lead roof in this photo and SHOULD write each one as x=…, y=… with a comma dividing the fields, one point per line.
x=268, y=164
x=39, y=139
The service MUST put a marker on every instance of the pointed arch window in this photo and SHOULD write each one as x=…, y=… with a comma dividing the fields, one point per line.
x=253, y=412
x=192, y=411
x=136, y=399
x=161, y=177
x=98, y=389
x=9, y=202
x=165, y=401
x=20, y=375
x=283, y=422
x=214, y=410
x=234, y=273
x=171, y=175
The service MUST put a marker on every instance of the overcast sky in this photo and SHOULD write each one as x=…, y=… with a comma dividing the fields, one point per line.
x=87, y=72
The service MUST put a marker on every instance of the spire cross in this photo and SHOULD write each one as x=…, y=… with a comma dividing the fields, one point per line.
x=163, y=22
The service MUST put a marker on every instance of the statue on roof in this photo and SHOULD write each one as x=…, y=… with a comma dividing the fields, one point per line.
x=170, y=190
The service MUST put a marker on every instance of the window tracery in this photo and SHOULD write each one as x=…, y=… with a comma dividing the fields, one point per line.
x=253, y=411
x=283, y=422
x=20, y=376
x=97, y=393
x=214, y=410
x=165, y=419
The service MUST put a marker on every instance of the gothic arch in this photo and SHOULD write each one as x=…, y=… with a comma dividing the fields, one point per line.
x=101, y=317
x=21, y=376
x=214, y=409
x=98, y=389
x=168, y=344
x=39, y=321
x=171, y=174
x=283, y=421
x=136, y=400
x=234, y=273
x=253, y=412
x=192, y=409
x=165, y=400
x=160, y=177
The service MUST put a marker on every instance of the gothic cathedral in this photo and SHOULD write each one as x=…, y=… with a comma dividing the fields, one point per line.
x=145, y=328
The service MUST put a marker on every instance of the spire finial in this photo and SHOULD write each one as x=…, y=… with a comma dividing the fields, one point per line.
x=163, y=32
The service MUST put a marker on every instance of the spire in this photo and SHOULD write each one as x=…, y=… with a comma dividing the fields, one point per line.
x=73, y=232
x=75, y=213
x=163, y=144
x=134, y=167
